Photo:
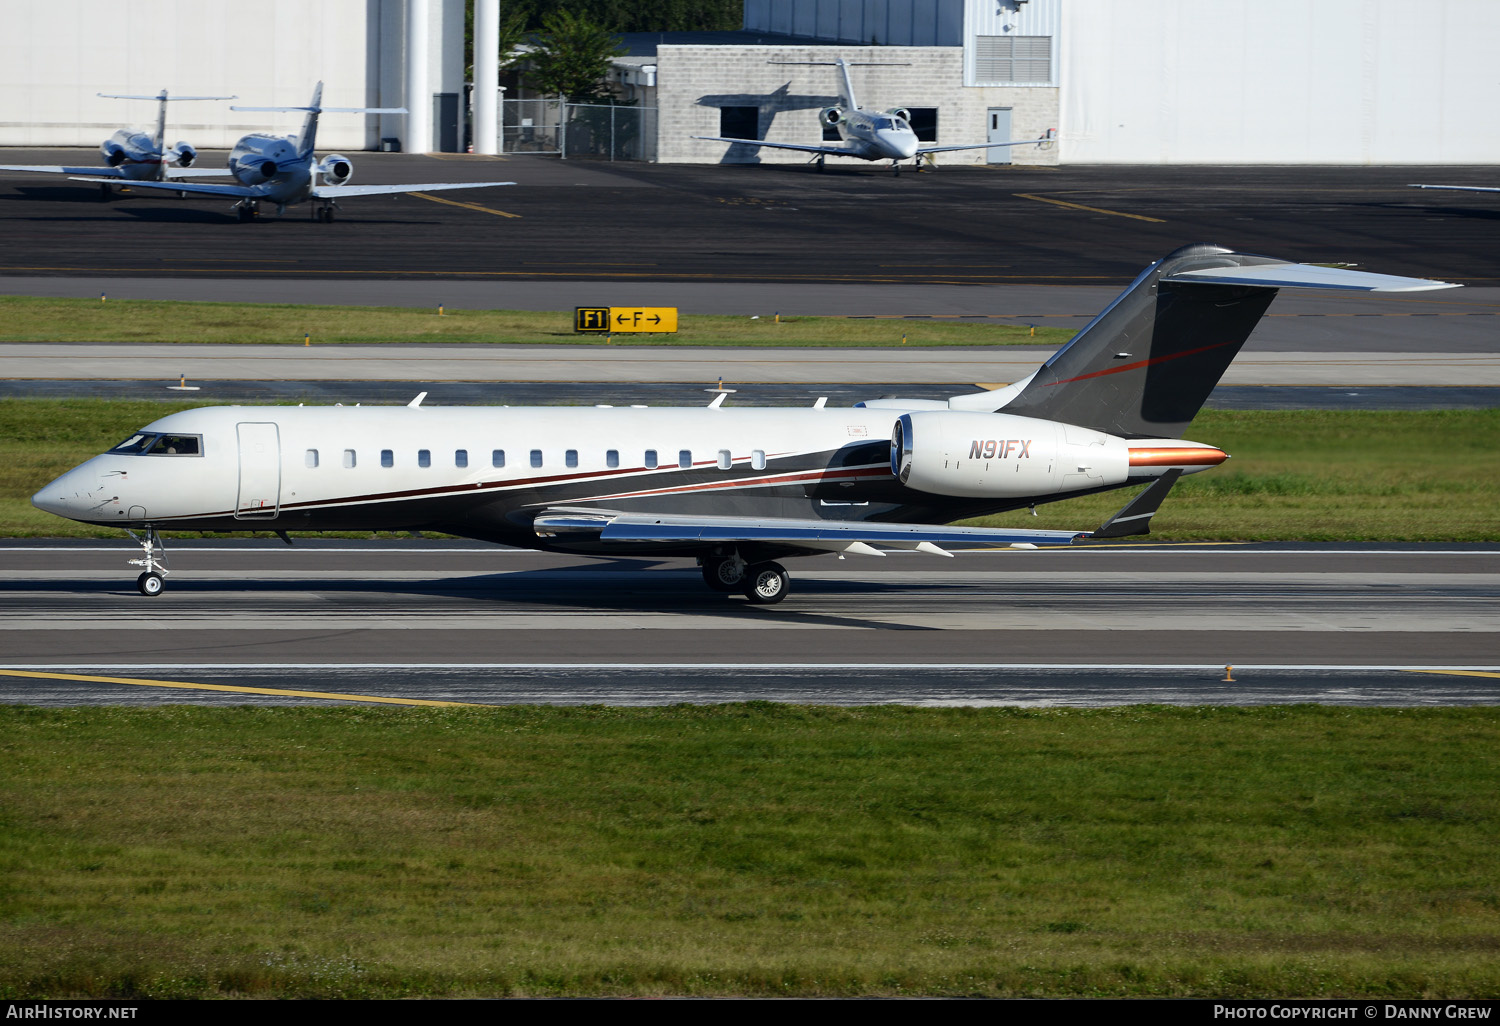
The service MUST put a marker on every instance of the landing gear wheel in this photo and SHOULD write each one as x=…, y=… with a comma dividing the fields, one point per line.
x=244, y=213
x=325, y=214
x=766, y=583
x=150, y=584
x=104, y=192
x=724, y=575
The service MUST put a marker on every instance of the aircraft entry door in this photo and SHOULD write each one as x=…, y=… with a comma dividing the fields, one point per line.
x=999, y=125
x=260, y=472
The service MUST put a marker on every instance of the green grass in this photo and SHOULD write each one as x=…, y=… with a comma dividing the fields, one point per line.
x=1302, y=475
x=24, y=319
x=750, y=849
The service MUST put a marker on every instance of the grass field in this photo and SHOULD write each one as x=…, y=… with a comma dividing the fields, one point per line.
x=24, y=319
x=751, y=849
x=1311, y=475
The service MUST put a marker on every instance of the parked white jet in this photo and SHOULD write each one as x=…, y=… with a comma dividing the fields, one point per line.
x=132, y=156
x=867, y=134
x=283, y=170
x=736, y=488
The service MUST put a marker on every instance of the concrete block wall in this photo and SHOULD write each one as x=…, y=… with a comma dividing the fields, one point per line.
x=693, y=82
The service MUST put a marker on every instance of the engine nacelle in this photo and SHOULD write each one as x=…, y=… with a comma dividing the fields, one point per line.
x=337, y=169
x=831, y=116
x=183, y=154
x=113, y=153
x=903, y=114
x=996, y=455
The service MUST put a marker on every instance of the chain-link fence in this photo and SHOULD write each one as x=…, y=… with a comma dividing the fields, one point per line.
x=590, y=130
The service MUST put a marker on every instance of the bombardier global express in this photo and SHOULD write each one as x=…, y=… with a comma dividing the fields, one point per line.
x=738, y=489
x=283, y=170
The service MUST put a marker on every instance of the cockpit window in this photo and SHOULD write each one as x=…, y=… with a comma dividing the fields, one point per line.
x=136, y=443
x=142, y=444
x=884, y=123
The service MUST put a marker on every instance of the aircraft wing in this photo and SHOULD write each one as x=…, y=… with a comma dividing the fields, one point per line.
x=238, y=191
x=335, y=191
x=1455, y=188
x=197, y=172
x=110, y=174
x=816, y=535
x=833, y=151
x=980, y=146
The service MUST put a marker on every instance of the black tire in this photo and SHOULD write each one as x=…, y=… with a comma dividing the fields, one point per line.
x=244, y=213
x=150, y=584
x=766, y=584
x=719, y=575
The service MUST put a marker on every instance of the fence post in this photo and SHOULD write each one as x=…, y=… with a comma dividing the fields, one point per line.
x=562, y=126
x=611, y=133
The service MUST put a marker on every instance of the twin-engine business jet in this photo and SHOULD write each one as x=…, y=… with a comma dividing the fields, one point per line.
x=283, y=170
x=132, y=156
x=736, y=488
x=866, y=134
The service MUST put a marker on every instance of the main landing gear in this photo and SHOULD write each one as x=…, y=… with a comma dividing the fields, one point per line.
x=246, y=210
x=324, y=211
x=762, y=583
x=151, y=580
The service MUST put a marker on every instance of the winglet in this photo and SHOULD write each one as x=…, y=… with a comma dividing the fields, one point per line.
x=418, y=400
x=1135, y=516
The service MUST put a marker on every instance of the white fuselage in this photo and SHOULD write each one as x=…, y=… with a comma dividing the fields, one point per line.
x=488, y=472
x=273, y=166
x=875, y=135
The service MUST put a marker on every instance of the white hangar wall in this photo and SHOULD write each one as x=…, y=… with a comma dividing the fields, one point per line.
x=55, y=56
x=1279, y=82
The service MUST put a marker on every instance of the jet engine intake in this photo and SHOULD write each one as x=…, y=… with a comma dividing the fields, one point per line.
x=114, y=154
x=831, y=116
x=183, y=154
x=267, y=170
x=996, y=455
x=337, y=169
x=903, y=114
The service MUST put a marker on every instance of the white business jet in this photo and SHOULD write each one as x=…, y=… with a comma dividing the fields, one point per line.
x=131, y=156
x=736, y=488
x=283, y=170
x=867, y=134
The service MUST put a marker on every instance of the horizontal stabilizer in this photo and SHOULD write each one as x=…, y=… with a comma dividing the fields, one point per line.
x=1306, y=276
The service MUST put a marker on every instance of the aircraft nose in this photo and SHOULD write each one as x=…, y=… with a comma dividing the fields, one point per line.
x=71, y=496
x=904, y=143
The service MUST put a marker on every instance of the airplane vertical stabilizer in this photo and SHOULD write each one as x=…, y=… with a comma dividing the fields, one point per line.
x=1144, y=366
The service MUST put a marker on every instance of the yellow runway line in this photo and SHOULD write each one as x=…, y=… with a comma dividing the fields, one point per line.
x=466, y=206
x=1095, y=210
x=1459, y=673
x=279, y=692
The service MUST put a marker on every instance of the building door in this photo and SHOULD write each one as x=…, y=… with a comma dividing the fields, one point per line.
x=260, y=472
x=999, y=132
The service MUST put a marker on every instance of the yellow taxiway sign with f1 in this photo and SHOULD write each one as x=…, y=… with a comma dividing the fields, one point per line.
x=620, y=320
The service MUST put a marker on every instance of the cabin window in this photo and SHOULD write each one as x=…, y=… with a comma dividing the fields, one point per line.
x=571, y=457
x=497, y=457
x=387, y=458
x=684, y=458
x=536, y=457
x=311, y=459
x=650, y=459
x=349, y=458
x=725, y=460
x=460, y=457
x=424, y=457
x=758, y=459
x=612, y=458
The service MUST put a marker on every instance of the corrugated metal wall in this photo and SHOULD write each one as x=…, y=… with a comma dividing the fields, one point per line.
x=886, y=22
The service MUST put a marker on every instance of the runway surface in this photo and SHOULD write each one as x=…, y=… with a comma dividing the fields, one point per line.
x=451, y=621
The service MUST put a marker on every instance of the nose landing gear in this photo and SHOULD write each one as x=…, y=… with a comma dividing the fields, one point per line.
x=150, y=582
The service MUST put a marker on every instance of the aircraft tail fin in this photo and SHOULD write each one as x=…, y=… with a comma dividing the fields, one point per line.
x=1144, y=366
x=847, y=88
x=307, y=142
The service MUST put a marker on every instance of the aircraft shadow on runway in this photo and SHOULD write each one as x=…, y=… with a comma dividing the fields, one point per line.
x=622, y=586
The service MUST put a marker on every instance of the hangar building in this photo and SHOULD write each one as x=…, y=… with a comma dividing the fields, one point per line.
x=1154, y=81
